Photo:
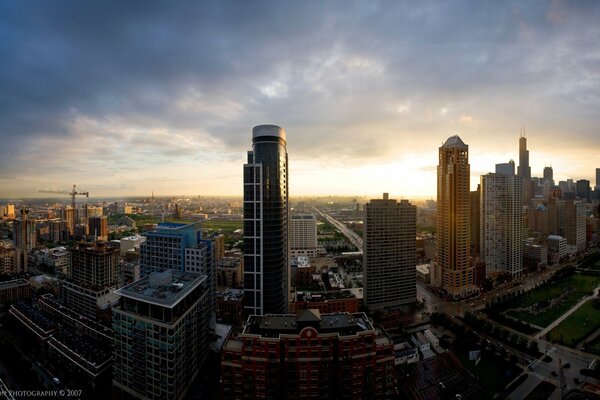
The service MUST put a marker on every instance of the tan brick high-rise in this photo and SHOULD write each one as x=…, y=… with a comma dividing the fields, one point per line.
x=453, y=271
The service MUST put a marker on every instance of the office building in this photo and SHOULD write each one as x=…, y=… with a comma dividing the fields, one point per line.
x=98, y=227
x=535, y=256
x=266, y=277
x=59, y=258
x=524, y=170
x=308, y=356
x=68, y=214
x=58, y=231
x=94, y=277
x=502, y=224
x=303, y=235
x=161, y=335
x=389, y=255
x=453, y=271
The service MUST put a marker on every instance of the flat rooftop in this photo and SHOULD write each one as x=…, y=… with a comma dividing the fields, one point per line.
x=274, y=325
x=163, y=288
x=13, y=283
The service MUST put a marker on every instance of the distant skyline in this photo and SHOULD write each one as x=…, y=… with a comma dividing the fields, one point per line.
x=123, y=100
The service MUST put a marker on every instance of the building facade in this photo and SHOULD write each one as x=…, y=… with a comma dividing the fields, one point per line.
x=389, y=255
x=303, y=235
x=308, y=356
x=98, y=227
x=502, y=224
x=161, y=335
x=453, y=271
x=266, y=265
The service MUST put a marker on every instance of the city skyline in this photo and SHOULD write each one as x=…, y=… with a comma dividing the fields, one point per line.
x=366, y=93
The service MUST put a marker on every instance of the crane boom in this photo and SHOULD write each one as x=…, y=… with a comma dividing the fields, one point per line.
x=72, y=193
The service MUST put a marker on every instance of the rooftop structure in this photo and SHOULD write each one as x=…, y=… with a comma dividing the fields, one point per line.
x=166, y=288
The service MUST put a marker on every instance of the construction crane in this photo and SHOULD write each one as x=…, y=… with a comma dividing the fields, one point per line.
x=72, y=193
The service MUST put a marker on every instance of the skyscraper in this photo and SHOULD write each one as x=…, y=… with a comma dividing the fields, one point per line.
x=597, y=177
x=452, y=269
x=389, y=258
x=524, y=170
x=266, y=278
x=549, y=175
x=502, y=224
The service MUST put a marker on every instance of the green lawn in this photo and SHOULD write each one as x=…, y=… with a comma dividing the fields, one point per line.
x=223, y=225
x=577, y=326
x=584, y=285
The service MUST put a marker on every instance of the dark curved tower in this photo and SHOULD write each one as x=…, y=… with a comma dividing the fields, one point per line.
x=266, y=222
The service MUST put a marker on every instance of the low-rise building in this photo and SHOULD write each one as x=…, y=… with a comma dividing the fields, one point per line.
x=325, y=302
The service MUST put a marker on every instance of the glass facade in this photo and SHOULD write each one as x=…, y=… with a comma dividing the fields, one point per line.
x=266, y=222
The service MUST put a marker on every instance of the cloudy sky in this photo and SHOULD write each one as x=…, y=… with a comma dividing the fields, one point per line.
x=127, y=97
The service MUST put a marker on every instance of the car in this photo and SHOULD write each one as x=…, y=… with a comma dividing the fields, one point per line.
x=56, y=380
x=567, y=365
x=554, y=374
x=576, y=381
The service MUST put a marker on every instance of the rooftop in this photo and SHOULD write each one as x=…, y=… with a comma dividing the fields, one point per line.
x=455, y=142
x=274, y=325
x=163, y=288
x=13, y=283
x=268, y=130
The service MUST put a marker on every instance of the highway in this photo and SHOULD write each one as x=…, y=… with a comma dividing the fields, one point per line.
x=349, y=233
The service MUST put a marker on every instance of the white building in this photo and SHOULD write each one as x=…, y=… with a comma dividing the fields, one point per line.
x=557, y=248
x=303, y=235
x=131, y=242
x=501, y=224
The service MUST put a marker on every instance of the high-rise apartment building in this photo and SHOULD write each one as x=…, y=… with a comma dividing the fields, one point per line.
x=98, y=227
x=502, y=224
x=161, y=335
x=7, y=211
x=93, y=279
x=524, y=170
x=180, y=247
x=58, y=230
x=598, y=177
x=575, y=215
x=303, y=235
x=452, y=270
x=165, y=246
x=25, y=238
x=475, y=197
x=308, y=356
x=389, y=257
x=266, y=248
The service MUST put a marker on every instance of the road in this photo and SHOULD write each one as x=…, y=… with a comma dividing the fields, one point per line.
x=349, y=233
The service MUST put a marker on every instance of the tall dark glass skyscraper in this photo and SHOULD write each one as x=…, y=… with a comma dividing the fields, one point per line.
x=266, y=222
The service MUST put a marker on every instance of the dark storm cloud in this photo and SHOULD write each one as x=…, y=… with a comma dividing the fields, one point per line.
x=350, y=79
